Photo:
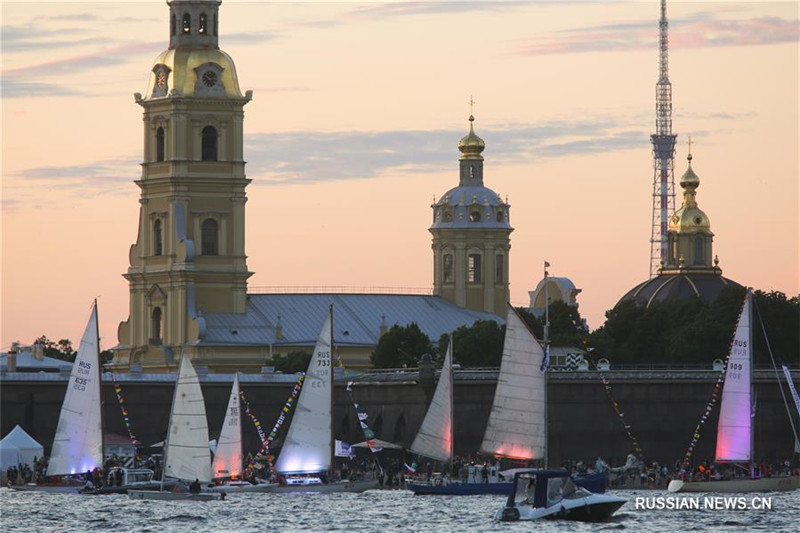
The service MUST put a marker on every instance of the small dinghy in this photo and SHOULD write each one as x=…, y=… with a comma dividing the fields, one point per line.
x=553, y=494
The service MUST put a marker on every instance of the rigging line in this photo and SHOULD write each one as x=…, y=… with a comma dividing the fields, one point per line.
x=775, y=369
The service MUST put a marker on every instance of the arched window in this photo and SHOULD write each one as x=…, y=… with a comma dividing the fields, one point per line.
x=209, y=144
x=448, y=216
x=187, y=23
x=155, y=327
x=158, y=242
x=447, y=267
x=698, y=251
x=475, y=216
x=202, y=27
x=172, y=25
x=499, y=268
x=474, y=268
x=499, y=216
x=160, y=144
x=210, y=237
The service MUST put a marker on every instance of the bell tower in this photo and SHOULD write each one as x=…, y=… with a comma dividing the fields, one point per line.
x=471, y=237
x=189, y=256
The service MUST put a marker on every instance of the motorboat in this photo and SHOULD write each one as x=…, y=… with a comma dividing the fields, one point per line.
x=553, y=494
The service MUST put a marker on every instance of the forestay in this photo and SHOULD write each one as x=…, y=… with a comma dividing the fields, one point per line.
x=734, y=428
x=308, y=445
x=187, y=453
x=228, y=457
x=435, y=437
x=516, y=426
x=78, y=444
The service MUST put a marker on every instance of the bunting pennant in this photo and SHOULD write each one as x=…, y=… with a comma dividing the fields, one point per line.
x=265, y=441
x=615, y=405
x=124, y=410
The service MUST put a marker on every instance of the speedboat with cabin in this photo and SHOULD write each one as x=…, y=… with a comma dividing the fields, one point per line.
x=552, y=494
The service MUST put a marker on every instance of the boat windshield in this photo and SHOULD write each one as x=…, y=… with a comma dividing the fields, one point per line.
x=525, y=491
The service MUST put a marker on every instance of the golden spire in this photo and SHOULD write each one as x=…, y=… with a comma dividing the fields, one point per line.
x=471, y=145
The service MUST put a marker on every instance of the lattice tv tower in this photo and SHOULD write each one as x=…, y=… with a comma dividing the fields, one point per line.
x=663, y=154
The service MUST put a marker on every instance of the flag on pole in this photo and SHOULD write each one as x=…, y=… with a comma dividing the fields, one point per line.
x=546, y=360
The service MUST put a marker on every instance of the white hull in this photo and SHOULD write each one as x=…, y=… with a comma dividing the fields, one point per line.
x=242, y=487
x=767, y=484
x=338, y=486
x=172, y=496
x=63, y=489
x=592, y=508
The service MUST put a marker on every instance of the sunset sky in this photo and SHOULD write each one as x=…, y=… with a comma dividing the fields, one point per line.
x=353, y=130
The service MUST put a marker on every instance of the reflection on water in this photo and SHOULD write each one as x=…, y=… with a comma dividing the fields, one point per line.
x=378, y=510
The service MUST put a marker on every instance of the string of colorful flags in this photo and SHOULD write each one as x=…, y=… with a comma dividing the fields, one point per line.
x=256, y=422
x=121, y=401
x=265, y=451
x=369, y=435
x=615, y=404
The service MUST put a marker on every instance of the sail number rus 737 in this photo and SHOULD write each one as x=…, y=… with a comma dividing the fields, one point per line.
x=323, y=358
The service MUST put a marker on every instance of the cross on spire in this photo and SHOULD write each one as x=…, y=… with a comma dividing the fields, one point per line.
x=689, y=142
x=471, y=104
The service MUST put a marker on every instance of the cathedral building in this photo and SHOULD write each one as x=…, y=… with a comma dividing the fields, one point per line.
x=188, y=267
x=689, y=270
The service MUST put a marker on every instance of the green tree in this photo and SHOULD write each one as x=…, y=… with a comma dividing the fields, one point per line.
x=292, y=362
x=60, y=350
x=478, y=345
x=401, y=346
x=566, y=324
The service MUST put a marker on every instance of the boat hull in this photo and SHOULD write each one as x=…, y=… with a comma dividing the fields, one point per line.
x=248, y=487
x=595, y=483
x=767, y=484
x=61, y=489
x=163, y=495
x=593, y=508
x=338, y=486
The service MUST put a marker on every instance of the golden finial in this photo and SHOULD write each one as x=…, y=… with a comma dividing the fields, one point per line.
x=689, y=142
x=471, y=106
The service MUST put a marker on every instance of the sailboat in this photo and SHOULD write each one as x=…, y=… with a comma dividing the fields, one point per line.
x=307, y=453
x=186, y=454
x=516, y=429
x=228, y=457
x=78, y=445
x=735, y=426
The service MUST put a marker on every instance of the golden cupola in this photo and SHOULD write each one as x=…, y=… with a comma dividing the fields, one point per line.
x=689, y=218
x=471, y=145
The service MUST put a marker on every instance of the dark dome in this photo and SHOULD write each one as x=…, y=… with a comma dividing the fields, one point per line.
x=678, y=286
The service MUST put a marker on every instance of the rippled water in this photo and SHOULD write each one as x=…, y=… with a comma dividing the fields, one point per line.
x=377, y=510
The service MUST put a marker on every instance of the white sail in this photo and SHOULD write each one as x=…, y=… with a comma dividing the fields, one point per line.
x=228, y=457
x=187, y=453
x=435, y=438
x=516, y=426
x=734, y=428
x=308, y=445
x=78, y=444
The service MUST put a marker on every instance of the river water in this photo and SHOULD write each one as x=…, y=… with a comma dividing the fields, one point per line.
x=376, y=510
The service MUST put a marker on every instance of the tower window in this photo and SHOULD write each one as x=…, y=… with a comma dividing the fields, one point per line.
x=447, y=267
x=187, y=23
x=447, y=216
x=474, y=268
x=698, y=251
x=499, y=216
x=158, y=242
x=202, y=27
x=209, y=144
x=215, y=25
x=155, y=326
x=475, y=216
x=160, y=144
x=172, y=25
x=471, y=172
x=210, y=237
x=499, y=268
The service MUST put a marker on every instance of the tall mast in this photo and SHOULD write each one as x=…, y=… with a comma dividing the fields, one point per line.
x=452, y=409
x=100, y=390
x=751, y=310
x=333, y=436
x=546, y=354
x=663, y=141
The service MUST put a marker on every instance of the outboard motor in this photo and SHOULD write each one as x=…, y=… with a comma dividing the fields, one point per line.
x=510, y=514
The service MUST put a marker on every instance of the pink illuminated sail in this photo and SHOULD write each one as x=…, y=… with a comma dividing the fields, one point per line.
x=516, y=426
x=228, y=458
x=435, y=437
x=734, y=429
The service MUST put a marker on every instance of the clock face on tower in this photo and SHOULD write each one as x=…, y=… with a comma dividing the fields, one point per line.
x=209, y=78
x=161, y=80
